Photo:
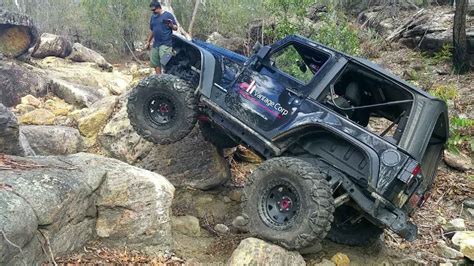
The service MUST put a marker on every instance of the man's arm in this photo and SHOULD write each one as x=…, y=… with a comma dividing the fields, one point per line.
x=149, y=39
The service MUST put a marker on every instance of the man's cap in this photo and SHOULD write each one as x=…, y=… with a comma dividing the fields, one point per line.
x=155, y=4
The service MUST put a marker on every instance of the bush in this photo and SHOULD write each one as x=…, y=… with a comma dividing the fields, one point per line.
x=336, y=32
x=461, y=131
x=445, y=92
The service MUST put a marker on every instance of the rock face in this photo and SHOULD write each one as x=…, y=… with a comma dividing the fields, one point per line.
x=9, y=133
x=191, y=162
x=252, y=251
x=100, y=112
x=80, y=53
x=17, y=34
x=119, y=140
x=465, y=242
x=53, y=140
x=78, y=95
x=52, y=45
x=16, y=81
x=68, y=201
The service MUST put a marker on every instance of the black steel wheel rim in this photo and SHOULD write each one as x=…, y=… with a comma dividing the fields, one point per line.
x=161, y=110
x=279, y=205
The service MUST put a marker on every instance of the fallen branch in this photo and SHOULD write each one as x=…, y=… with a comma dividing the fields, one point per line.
x=10, y=242
x=397, y=34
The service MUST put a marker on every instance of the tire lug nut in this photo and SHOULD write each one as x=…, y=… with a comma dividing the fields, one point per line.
x=281, y=210
x=278, y=203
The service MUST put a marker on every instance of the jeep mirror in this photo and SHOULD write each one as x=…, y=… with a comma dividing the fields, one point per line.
x=256, y=47
x=263, y=52
x=302, y=66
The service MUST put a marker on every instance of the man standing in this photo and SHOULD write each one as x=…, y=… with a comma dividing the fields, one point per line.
x=162, y=25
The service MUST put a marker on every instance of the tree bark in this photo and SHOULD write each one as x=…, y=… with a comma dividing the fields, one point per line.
x=193, y=18
x=460, y=60
x=167, y=7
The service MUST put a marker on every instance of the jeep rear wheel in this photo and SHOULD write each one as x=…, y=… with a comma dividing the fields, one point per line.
x=162, y=109
x=287, y=201
x=349, y=228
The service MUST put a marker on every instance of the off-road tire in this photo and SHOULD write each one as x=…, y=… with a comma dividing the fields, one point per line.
x=178, y=92
x=216, y=136
x=314, y=216
x=361, y=233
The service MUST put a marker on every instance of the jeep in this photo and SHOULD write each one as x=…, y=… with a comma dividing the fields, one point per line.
x=349, y=148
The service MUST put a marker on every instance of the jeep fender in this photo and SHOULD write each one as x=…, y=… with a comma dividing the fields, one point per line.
x=207, y=63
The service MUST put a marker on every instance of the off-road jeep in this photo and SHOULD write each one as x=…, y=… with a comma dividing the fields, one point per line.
x=350, y=149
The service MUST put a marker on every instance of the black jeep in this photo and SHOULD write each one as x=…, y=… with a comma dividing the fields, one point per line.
x=350, y=149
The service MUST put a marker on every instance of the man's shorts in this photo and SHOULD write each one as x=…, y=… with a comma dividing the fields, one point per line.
x=158, y=54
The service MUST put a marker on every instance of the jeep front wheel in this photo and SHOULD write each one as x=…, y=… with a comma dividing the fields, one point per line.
x=288, y=201
x=162, y=109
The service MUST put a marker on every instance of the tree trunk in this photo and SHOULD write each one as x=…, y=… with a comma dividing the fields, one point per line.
x=193, y=18
x=460, y=60
x=167, y=7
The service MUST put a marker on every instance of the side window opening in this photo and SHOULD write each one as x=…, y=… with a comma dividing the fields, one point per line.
x=299, y=61
x=371, y=101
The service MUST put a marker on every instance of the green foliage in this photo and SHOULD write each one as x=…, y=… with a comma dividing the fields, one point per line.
x=336, y=32
x=116, y=23
x=461, y=131
x=230, y=17
x=443, y=56
x=445, y=92
x=289, y=14
x=287, y=61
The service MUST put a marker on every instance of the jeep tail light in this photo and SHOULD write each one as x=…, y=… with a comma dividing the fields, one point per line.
x=416, y=171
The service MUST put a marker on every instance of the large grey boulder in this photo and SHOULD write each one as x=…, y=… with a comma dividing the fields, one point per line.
x=80, y=53
x=70, y=200
x=252, y=251
x=17, y=81
x=52, y=45
x=191, y=162
x=53, y=140
x=17, y=34
x=10, y=142
x=75, y=94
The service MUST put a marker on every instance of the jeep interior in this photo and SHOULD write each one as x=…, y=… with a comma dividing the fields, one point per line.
x=371, y=101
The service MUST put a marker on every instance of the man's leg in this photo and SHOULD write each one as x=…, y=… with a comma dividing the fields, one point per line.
x=155, y=60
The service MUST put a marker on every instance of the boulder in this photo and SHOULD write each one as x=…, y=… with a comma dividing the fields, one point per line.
x=341, y=259
x=80, y=53
x=99, y=114
x=17, y=81
x=53, y=140
x=464, y=241
x=52, y=45
x=252, y=251
x=38, y=117
x=454, y=225
x=186, y=225
x=69, y=200
x=120, y=141
x=17, y=34
x=58, y=106
x=447, y=252
x=221, y=228
x=134, y=208
x=9, y=133
x=31, y=100
x=459, y=162
x=78, y=95
x=191, y=162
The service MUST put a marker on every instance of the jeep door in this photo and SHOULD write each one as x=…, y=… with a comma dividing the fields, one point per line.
x=268, y=93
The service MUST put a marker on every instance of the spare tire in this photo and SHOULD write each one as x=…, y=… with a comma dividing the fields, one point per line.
x=162, y=109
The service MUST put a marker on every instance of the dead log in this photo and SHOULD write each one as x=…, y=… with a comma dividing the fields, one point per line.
x=17, y=34
x=417, y=19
